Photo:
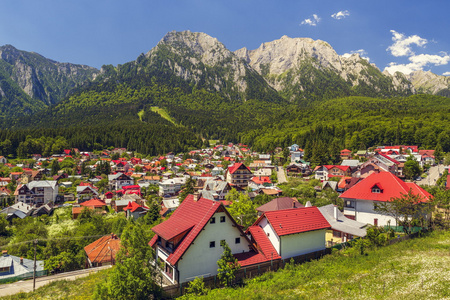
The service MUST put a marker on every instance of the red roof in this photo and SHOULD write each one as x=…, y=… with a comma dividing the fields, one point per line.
x=345, y=151
x=97, y=203
x=447, y=185
x=103, y=249
x=343, y=168
x=261, y=179
x=131, y=187
x=295, y=220
x=133, y=206
x=190, y=216
x=266, y=251
x=391, y=186
x=236, y=166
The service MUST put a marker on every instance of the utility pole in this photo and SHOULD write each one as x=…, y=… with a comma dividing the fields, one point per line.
x=34, y=268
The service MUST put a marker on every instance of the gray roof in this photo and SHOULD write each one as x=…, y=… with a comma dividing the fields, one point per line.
x=171, y=203
x=332, y=184
x=342, y=223
x=18, y=268
x=42, y=184
x=350, y=162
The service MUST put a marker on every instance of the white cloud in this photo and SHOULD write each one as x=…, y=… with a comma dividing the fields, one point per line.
x=418, y=62
x=446, y=74
x=341, y=14
x=402, y=44
x=312, y=21
x=361, y=52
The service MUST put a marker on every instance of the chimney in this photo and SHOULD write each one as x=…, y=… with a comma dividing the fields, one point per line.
x=293, y=204
x=196, y=197
x=336, y=213
x=21, y=260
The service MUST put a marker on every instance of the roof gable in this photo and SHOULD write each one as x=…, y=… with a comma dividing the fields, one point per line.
x=391, y=187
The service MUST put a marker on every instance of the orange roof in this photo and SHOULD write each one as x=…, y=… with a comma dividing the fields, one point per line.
x=96, y=203
x=104, y=249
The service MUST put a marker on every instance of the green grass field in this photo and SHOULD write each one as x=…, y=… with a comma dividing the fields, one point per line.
x=163, y=113
x=413, y=269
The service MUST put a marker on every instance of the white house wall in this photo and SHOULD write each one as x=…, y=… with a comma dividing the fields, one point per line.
x=200, y=259
x=302, y=243
x=365, y=213
x=270, y=233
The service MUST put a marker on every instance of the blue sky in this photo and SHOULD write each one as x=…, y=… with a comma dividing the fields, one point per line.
x=403, y=35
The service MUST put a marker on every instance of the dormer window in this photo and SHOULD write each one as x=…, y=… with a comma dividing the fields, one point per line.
x=376, y=190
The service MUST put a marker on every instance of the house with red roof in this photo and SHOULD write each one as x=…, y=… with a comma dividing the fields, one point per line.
x=346, y=154
x=295, y=231
x=103, y=251
x=134, y=210
x=238, y=175
x=187, y=245
x=379, y=163
x=327, y=171
x=361, y=199
x=427, y=157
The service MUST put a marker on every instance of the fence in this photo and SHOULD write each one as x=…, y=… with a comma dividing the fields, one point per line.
x=246, y=272
x=23, y=276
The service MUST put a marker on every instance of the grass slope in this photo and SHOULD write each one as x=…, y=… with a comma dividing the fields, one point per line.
x=414, y=269
x=163, y=113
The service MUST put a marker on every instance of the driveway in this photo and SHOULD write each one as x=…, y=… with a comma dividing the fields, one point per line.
x=281, y=175
x=27, y=285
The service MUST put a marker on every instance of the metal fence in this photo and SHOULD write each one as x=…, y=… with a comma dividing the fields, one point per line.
x=23, y=276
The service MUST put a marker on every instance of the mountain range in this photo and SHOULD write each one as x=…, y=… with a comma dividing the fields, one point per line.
x=296, y=70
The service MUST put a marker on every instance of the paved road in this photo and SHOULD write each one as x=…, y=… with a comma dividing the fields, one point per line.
x=433, y=175
x=27, y=285
x=281, y=175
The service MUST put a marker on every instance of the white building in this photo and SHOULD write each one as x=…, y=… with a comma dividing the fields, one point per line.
x=361, y=199
x=295, y=231
x=171, y=186
x=37, y=192
x=187, y=245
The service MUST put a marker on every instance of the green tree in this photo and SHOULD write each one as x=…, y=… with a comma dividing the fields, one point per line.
x=241, y=208
x=133, y=275
x=228, y=265
x=411, y=168
x=188, y=188
x=438, y=153
x=55, y=167
x=195, y=288
x=408, y=210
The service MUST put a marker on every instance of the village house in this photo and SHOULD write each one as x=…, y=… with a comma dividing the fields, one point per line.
x=378, y=163
x=346, y=154
x=86, y=192
x=325, y=172
x=279, y=204
x=103, y=251
x=361, y=199
x=295, y=231
x=238, y=175
x=119, y=180
x=37, y=192
x=187, y=245
x=134, y=210
x=171, y=187
x=15, y=266
x=342, y=229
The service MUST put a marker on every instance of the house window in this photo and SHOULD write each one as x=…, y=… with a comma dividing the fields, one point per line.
x=349, y=204
x=237, y=240
x=212, y=244
x=213, y=220
x=375, y=222
x=376, y=190
x=222, y=219
x=336, y=233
